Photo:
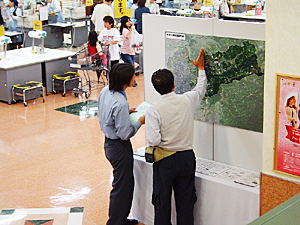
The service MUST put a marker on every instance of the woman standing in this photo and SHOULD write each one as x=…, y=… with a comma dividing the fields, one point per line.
x=13, y=12
x=118, y=129
x=94, y=50
x=54, y=8
x=127, y=32
x=154, y=7
x=292, y=111
x=139, y=15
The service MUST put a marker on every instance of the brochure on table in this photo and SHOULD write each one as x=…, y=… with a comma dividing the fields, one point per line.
x=140, y=111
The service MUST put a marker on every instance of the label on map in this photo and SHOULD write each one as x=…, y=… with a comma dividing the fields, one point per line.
x=177, y=36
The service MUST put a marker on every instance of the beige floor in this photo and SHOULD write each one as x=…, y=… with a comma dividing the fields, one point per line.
x=54, y=159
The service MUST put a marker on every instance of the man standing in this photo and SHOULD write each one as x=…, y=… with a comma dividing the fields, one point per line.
x=133, y=7
x=154, y=7
x=169, y=125
x=100, y=11
x=138, y=15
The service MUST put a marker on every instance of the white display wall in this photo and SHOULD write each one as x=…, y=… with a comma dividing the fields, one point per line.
x=282, y=56
x=229, y=145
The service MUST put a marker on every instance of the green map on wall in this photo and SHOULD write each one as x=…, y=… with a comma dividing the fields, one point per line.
x=235, y=73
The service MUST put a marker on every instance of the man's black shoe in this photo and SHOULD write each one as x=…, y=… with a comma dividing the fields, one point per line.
x=131, y=222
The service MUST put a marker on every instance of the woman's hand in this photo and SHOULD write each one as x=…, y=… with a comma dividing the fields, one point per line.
x=132, y=110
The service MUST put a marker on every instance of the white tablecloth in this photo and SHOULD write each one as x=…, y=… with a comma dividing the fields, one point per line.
x=250, y=15
x=220, y=202
x=24, y=57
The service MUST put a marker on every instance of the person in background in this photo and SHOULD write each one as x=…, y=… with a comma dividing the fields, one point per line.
x=110, y=36
x=100, y=11
x=154, y=7
x=224, y=8
x=129, y=3
x=115, y=123
x=168, y=4
x=138, y=15
x=11, y=16
x=54, y=8
x=94, y=49
x=1, y=17
x=13, y=12
x=165, y=122
x=127, y=32
x=134, y=7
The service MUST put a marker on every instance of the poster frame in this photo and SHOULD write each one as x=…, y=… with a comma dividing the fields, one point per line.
x=278, y=77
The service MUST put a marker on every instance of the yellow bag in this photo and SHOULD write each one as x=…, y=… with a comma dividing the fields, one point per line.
x=155, y=154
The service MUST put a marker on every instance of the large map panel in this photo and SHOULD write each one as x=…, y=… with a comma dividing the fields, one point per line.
x=235, y=73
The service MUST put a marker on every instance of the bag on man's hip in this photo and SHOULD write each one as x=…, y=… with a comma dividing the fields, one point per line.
x=155, y=154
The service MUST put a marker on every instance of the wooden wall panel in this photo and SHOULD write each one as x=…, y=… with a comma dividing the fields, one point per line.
x=274, y=191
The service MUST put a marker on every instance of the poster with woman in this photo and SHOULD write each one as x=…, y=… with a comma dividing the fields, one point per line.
x=287, y=143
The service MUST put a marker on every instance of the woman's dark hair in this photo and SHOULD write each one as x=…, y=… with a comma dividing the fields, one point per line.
x=163, y=81
x=16, y=4
x=1, y=20
x=141, y=3
x=93, y=38
x=120, y=75
x=124, y=20
x=290, y=99
x=109, y=20
x=135, y=1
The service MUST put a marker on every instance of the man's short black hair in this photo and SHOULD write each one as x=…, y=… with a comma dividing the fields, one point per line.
x=108, y=0
x=163, y=81
x=120, y=75
x=109, y=20
x=135, y=1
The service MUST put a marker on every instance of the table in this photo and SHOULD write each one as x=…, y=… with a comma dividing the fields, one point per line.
x=59, y=24
x=220, y=202
x=55, y=34
x=79, y=34
x=244, y=17
x=12, y=33
x=79, y=19
x=20, y=65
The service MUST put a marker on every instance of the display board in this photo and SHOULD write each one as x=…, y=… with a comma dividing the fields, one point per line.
x=226, y=144
x=235, y=73
x=287, y=142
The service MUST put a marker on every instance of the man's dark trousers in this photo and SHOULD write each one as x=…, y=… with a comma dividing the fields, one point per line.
x=175, y=172
x=120, y=155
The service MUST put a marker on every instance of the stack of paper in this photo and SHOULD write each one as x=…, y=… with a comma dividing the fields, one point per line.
x=140, y=111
